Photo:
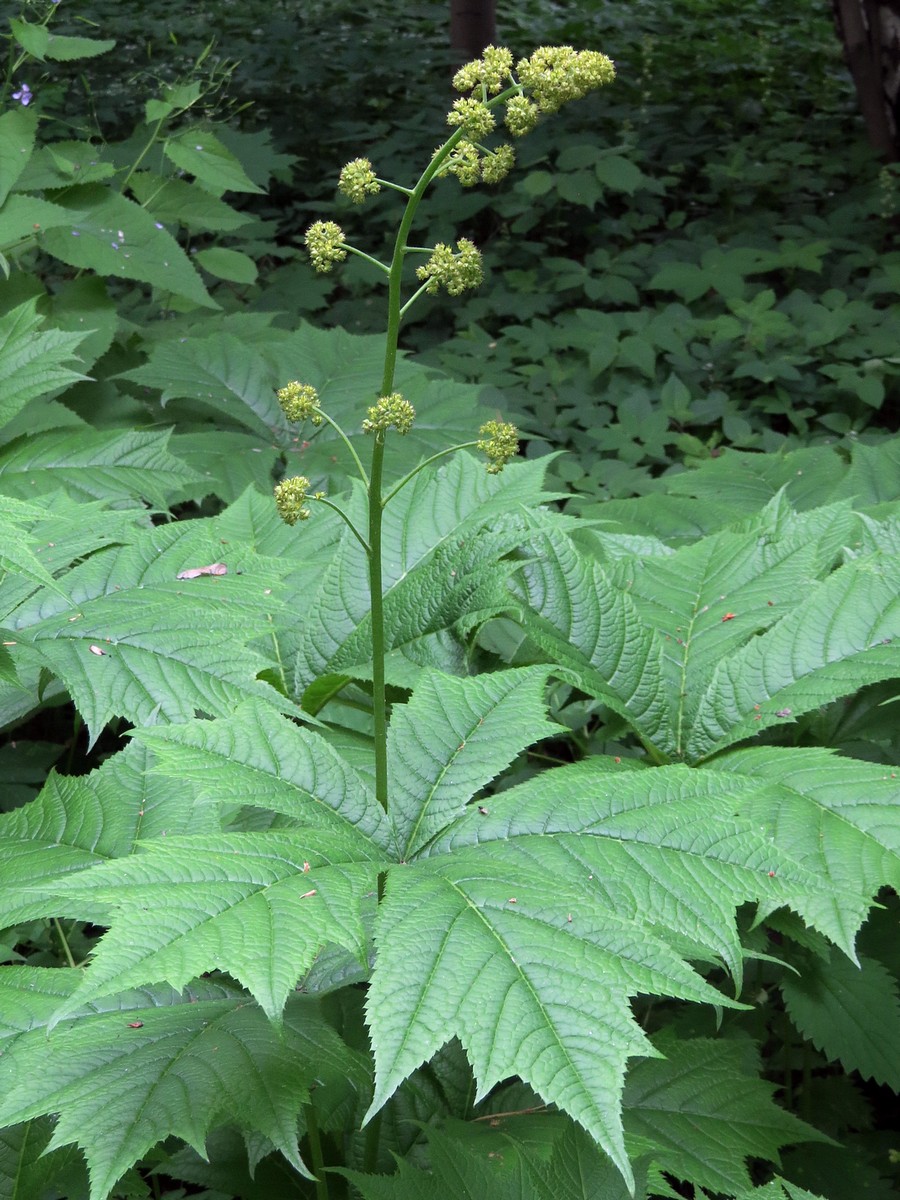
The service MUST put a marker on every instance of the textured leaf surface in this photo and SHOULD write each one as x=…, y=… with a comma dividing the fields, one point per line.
x=261, y=759
x=480, y=1160
x=594, y=630
x=32, y=360
x=136, y=642
x=451, y=739
x=851, y=1013
x=149, y=1064
x=844, y=634
x=526, y=929
x=839, y=818
x=26, y=1171
x=438, y=561
x=222, y=372
x=715, y=643
x=706, y=1114
x=259, y=905
x=94, y=465
x=79, y=822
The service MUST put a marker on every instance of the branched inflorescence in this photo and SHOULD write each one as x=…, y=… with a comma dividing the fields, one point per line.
x=522, y=91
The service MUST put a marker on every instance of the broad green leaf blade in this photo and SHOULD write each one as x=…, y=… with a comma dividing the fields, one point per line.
x=706, y=600
x=23, y=217
x=112, y=235
x=176, y=201
x=837, y=816
x=151, y=1064
x=523, y=995
x=95, y=465
x=451, y=739
x=222, y=372
x=31, y=360
x=706, y=1113
x=845, y=634
x=61, y=48
x=851, y=1013
x=261, y=759
x=18, y=561
x=259, y=906
x=201, y=154
x=433, y=527
x=229, y=464
x=528, y=926
x=77, y=823
x=28, y=1171
x=61, y=530
x=18, y=127
x=228, y=264
x=581, y=620
x=482, y=1161
x=143, y=644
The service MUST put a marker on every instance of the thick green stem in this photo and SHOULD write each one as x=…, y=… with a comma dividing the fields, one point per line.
x=376, y=598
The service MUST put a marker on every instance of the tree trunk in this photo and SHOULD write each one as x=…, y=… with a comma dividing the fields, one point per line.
x=473, y=25
x=870, y=31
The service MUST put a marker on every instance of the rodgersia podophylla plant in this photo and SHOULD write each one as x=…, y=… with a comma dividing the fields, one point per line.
x=495, y=91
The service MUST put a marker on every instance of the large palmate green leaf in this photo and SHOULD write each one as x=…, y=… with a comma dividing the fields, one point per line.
x=133, y=640
x=843, y=634
x=520, y=925
x=451, y=739
x=126, y=1073
x=443, y=537
x=258, y=905
x=260, y=758
x=223, y=372
x=713, y=644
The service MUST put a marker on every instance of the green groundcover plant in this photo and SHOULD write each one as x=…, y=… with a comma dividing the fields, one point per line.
x=458, y=846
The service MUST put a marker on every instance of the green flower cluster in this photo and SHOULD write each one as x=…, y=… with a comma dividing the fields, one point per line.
x=471, y=164
x=464, y=163
x=498, y=163
x=324, y=241
x=476, y=118
x=390, y=412
x=493, y=70
x=300, y=402
x=521, y=115
x=290, y=499
x=456, y=271
x=557, y=74
x=500, y=442
x=357, y=180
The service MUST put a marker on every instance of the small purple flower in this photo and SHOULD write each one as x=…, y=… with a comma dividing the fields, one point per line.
x=23, y=95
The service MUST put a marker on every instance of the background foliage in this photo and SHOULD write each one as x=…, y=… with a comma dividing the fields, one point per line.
x=691, y=290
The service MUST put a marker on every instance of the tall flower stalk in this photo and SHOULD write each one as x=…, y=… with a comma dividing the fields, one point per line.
x=550, y=77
